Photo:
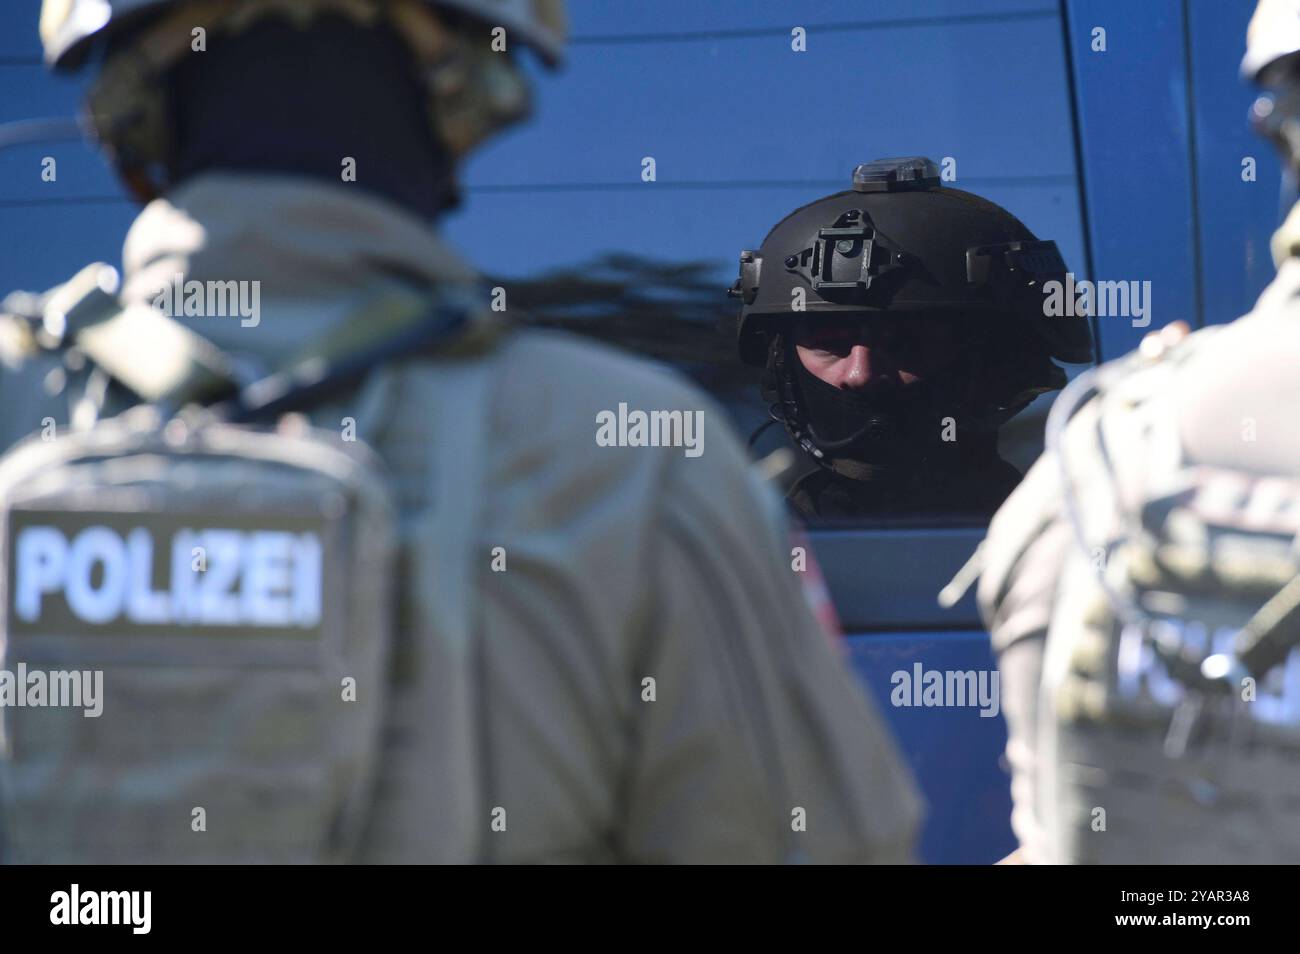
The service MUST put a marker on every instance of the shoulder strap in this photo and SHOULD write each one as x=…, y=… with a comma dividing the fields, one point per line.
x=434, y=772
x=161, y=360
x=326, y=371
x=461, y=399
x=140, y=347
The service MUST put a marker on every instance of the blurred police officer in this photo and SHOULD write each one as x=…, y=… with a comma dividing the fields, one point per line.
x=651, y=683
x=1141, y=584
x=899, y=325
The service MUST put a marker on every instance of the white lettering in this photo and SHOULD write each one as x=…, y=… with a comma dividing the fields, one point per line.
x=269, y=578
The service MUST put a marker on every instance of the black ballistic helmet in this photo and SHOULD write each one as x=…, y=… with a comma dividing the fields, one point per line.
x=899, y=241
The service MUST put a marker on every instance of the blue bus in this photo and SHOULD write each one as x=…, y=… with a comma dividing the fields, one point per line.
x=1116, y=128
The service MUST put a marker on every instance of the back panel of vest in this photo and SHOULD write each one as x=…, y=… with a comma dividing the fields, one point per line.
x=1141, y=757
x=195, y=635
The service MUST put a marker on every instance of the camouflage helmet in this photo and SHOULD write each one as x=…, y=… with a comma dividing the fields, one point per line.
x=472, y=91
x=69, y=28
x=899, y=241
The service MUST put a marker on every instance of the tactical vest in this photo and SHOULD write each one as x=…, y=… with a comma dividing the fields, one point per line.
x=208, y=609
x=196, y=615
x=1169, y=708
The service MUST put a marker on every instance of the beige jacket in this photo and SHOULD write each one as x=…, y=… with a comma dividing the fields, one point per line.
x=622, y=565
x=1229, y=402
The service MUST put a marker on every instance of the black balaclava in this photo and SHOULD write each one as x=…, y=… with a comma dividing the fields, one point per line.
x=839, y=414
x=885, y=435
x=278, y=99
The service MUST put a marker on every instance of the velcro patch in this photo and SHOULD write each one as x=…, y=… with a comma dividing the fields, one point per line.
x=75, y=572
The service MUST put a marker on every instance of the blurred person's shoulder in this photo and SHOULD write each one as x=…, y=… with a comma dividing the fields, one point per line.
x=1221, y=397
x=556, y=385
x=575, y=405
x=1229, y=391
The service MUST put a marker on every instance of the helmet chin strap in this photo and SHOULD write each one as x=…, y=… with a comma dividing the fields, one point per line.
x=876, y=432
x=853, y=467
x=876, y=429
x=881, y=445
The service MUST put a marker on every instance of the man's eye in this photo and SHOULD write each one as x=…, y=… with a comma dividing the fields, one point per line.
x=829, y=347
x=829, y=339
